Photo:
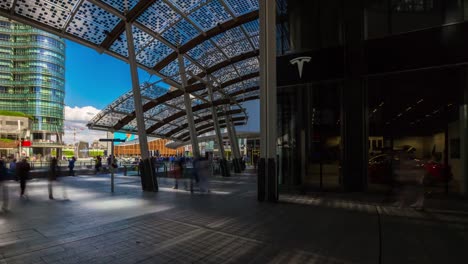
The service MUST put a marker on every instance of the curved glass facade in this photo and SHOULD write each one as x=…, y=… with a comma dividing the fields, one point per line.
x=32, y=76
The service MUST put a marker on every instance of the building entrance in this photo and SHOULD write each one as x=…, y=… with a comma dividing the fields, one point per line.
x=309, y=137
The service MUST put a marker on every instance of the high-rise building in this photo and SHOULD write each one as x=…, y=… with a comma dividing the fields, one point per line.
x=32, y=81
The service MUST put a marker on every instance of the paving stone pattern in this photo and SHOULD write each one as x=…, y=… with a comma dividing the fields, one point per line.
x=228, y=225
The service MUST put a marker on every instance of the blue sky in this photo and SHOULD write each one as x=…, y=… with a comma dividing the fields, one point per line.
x=95, y=80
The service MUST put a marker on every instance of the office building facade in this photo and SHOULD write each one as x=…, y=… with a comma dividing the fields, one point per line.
x=371, y=93
x=32, y=81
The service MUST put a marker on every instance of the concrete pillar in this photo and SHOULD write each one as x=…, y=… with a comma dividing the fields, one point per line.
x=354, y=93
x=148, y=182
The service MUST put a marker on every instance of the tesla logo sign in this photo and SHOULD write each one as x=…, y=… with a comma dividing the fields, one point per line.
x=300, y=63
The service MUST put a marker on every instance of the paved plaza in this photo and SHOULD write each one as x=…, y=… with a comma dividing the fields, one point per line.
x=226, y=225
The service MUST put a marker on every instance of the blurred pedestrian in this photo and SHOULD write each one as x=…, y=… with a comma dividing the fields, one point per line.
x=71, y=166
x=22, y=173
x=203, y=168
x=255, y=161
x=3, y=184
x=178, y=172
x=53, y=168
x=98, y=164
x=13, y=168
x=53, y=178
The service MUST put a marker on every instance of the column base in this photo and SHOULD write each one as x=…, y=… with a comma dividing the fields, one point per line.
x=237, y=165
x=224, y=168
x=149, y=182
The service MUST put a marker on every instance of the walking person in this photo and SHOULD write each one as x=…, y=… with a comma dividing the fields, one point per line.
x=22, y=173
x=178, y=173
x=255, y=161
x=71, y=166
x=13, y=169
x=203, y=168
x=98, y=164
x=53, y=168
x=3, y=184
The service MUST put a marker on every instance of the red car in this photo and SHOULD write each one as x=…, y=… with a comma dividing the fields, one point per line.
x=383, y=170
x=380, y=170
x=437, y=172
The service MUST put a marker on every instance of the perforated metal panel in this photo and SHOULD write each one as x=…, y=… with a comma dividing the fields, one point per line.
x=225, y=74
x=229, y=37
x=172, y=69
x=122, y=5
x=210, y=15
x=161, y=29
x=242, y=7
x=256, y=42
x=92, y=23
x=6, y=4
x=158, y=17
x=187, y=5
x=178, y=101
x=53, y=13
x=237, y=48
x=193, y=69
x=180, y=33
x=252, y=28
x=247, y=66
x=211, y=59
x=253, y=82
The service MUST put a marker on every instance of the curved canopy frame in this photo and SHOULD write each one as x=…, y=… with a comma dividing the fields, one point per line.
x=218, y=41
x=208, y=128
x=167, y=118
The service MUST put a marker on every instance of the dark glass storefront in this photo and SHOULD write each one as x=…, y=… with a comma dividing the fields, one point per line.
x=309, y=136
x=362, y=106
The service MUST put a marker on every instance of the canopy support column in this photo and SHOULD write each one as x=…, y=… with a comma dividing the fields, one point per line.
x=234, y=142
x=237, y=149
x=219, y=136
x=267, y=166
x=148, y=182
x=188, y=110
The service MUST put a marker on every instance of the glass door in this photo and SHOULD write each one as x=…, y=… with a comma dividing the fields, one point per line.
x=309, y=137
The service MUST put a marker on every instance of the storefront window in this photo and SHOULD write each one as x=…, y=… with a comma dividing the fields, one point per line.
x=416, y=117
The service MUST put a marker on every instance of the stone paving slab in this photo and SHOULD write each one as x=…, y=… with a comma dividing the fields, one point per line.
x=227, y=225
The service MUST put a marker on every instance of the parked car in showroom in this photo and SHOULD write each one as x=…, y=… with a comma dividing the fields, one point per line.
x=388, y=169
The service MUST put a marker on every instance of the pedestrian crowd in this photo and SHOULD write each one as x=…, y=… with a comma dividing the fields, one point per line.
x=20, y=171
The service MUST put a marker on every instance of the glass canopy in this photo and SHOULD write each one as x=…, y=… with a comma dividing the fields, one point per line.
x=218, y=39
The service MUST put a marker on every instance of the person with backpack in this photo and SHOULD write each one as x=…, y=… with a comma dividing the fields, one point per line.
x=22, y=173
x=71, y=166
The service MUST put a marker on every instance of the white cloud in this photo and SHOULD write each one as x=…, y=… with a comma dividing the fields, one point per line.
x=80, y=113
x=75, y=128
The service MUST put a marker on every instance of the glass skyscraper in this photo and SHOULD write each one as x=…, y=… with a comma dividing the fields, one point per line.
x=32, y=80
